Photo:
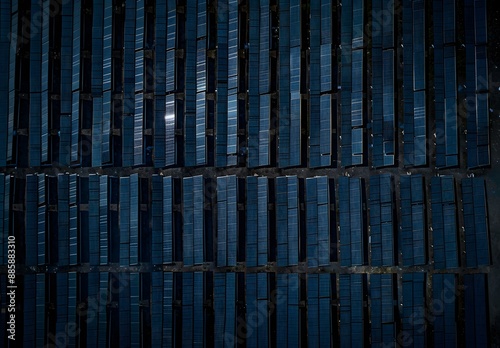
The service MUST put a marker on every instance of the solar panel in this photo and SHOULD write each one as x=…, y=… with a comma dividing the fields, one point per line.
x=93, y=219
x=318, y=221
x=103, y=301
x=227, y=224
x=40, y=309
x=103, y=219
x=124, y=301
x=77, y=6
x=476, y=227
x=224, y=304
x=351, y=224
x=97, y=132
x=264, y=46
x=125, y=225
x=381, y=220
x=382, y=314
x=476, y=306
x=9, y=51
x=62, y=300
x=193, y=232
x=444, y=222
x=232, y=124
x=414, y=310
x=445, y=330
x=168, y=297
x=351, y=295
x=319, y=316
x=159, y=308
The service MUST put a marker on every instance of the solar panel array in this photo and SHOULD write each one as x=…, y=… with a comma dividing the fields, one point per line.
x=181, y=99
x=170, y=255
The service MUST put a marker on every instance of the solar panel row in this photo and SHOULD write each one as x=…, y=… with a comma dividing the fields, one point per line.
x=413, y=224
x=444, y=222
x=257, y=315
x=287, y=220
x=382, y=309
x=222, y=82
x=194, y=220
x=352, y=82
x=446, y=85
x=192, y=309
x=351, y=224
x=10, y=22
x=445, y=326
x=413, y=309
x=40, y=309
x=476, y=309
x=352, y=293
x=257, y=221
x=289, y=123
x=162, y=220
x=383, y=79
x=322, y=107
x=182, y=308
x=91, y=212
x=225, y=307
x=75, y=80
x=287, y=312
x=476, y=222
x=382, y=222
x=318, y=221
x=414, y=93
x=5, y=41
x=4, y=215
x=319, y=315
x=255, y=76
x=476, y=76
x=227, y=220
